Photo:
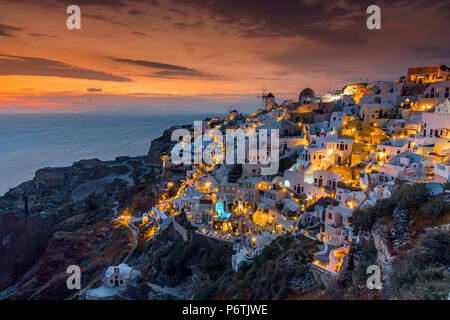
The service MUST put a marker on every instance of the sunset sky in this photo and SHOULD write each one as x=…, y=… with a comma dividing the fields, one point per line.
x=209, y=55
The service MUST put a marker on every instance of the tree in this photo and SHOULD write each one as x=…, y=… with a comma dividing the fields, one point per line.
x=411, y=195
x=437, y=207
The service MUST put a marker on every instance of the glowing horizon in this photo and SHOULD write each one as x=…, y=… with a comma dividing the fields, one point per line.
x=202, y=55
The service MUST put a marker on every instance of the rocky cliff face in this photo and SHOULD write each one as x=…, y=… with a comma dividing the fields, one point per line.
x=391, y=240
x=162, y=145
x=24, y=241
x=64, y=217
x=384, y=250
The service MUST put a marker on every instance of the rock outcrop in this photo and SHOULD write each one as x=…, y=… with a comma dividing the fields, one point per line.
x=64, y=217
x=162, y=145
x=398, y=235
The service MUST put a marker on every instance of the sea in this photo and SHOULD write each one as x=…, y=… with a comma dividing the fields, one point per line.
x=32, y=141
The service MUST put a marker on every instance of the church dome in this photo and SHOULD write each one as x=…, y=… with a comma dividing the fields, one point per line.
x=308, y=92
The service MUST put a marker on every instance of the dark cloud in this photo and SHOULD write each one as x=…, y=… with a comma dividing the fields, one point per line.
x=30, y=66
x=179, y=11
x=329, y=22
x=323, y=20
x=7, y=31
x=154, y=3
x=169, y=71
x=136, y=12
x=41, y=35
x=185, y=25
x=432, y=51
x=139, y=33
x=181, y=74
x=152, y=64
x=115, y=3
x=105, y=3
x=106, y=19
x=108, y=3
x=94, y=90
x=180, y=25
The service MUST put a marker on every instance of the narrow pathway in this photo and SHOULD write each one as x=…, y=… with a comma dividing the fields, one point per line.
x=134, y=230
x=130, y=225
x=116, y=212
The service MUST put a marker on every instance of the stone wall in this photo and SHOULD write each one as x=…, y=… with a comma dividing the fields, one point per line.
x=50, y=177
x=205, y=240
x=325, y=277
x=181, y=230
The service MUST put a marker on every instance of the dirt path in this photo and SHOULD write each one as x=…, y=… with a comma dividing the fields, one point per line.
x=134, y=230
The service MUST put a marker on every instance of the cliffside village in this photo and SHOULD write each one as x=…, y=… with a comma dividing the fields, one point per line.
x=339, y=152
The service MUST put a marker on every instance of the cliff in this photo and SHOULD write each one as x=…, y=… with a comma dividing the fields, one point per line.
x=162, y=145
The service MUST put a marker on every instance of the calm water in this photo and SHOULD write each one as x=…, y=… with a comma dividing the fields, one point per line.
x=30, y=142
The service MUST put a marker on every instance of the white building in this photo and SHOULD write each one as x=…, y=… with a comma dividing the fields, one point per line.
x=337, y=119
x=441, y=172
x=336, y=221
x=435, y=125
x=119, y=276
x=326, y=179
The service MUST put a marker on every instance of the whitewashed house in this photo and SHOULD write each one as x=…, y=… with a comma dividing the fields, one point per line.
x=119, y=276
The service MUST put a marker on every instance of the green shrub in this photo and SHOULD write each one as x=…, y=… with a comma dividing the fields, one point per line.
x=406, y=196
x=359, y=273
x=333, y=290
x=446, y=185
x=369, y=255
x=268, y=277
x=433, y=248
x=410, y=195
x=423, y=273
x=138, y=250
x=437, y=207
x=287, y=162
